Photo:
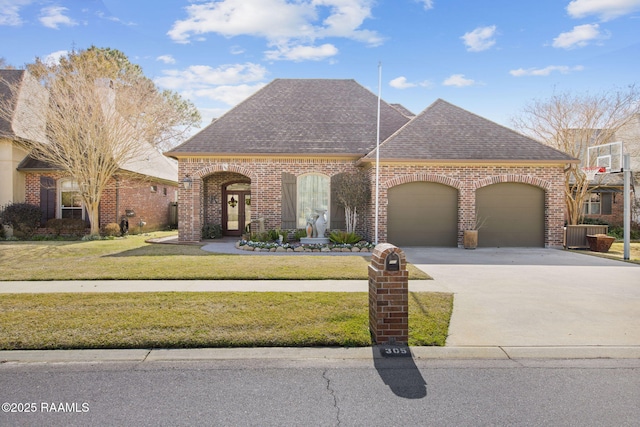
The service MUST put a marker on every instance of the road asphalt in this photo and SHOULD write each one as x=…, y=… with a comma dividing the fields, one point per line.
x=509, y=303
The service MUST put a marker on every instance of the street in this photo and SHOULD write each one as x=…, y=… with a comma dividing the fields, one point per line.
x=394, y=391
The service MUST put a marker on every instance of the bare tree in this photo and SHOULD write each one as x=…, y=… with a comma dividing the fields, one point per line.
x=99, y=117
x=353, y=191
x=573, y=122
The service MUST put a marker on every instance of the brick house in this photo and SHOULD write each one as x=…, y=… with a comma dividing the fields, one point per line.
x=273, y=159
x=144, y=191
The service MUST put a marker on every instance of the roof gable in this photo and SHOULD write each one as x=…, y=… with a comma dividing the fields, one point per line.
x=299, y=116
x=446, y=132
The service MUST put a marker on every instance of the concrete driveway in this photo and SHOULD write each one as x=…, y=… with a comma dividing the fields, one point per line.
x=535, y=297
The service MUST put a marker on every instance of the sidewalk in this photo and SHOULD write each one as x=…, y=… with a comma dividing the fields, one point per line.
x=308, y=353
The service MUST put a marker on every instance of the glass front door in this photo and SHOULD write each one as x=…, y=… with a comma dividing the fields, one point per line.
x=237, y=209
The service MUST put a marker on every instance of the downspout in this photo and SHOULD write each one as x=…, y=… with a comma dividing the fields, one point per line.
x=117, y=219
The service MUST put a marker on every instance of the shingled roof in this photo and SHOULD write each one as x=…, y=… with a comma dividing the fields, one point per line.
x=299, y=116
x=445, y=132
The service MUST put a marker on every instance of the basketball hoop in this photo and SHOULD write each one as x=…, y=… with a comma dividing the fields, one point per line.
x=592, y=171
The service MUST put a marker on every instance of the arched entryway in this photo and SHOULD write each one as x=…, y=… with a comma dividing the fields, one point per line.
x=236, y=208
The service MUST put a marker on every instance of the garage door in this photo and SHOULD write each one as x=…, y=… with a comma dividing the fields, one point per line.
x=422, y=214
x=514, y=215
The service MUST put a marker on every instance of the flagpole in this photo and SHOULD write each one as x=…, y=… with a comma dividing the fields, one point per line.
x=378, y=151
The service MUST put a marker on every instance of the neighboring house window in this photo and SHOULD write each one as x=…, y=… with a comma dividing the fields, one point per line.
x=598, y=204
x=70, y=202
x=313, y=193
x=592, y=204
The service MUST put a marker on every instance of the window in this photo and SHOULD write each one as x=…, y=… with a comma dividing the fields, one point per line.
x=313, y=192
x=70, y=202
x=592, y=204
x=154, y=188
x=598, y=204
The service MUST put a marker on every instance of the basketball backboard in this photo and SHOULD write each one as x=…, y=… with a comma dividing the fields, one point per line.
x=608, y=156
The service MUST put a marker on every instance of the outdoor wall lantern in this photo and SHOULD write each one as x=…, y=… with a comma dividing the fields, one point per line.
x=186, y=182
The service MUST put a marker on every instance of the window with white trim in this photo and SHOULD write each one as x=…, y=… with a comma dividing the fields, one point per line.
x=69, y=201
x=592, y=204
x=313, y=193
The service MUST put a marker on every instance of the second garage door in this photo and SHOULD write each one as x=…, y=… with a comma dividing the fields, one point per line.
x=422, y=214
x=513, y=214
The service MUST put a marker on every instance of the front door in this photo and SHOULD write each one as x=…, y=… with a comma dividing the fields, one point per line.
x=236, y=209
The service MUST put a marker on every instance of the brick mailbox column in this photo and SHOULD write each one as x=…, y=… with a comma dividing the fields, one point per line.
x=388, y=295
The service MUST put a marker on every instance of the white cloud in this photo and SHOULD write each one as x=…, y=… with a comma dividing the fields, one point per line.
x=100, y=14
x=428, y=4
x=53, y=17
x=236, y=50
x=562, y=69
x=580, y=36
x=302, y=53
x=203, y=76
x=482, y=38
x=10, y=11
x=401, y=83
x=167, y=59
x=605, y=9
x=54, y=57
x=230, y=95
x=292, y=24
x=458, y=80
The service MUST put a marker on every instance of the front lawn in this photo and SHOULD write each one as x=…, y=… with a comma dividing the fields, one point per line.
x=206, y=319
x=134, y=258
x=617, y=252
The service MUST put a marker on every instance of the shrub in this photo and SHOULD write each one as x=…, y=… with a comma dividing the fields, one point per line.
x=299, y=233
x=261, y=237
x=342, y=237
x=110, y=230
x=211, y=231
x=67, y=226
x=23, y=217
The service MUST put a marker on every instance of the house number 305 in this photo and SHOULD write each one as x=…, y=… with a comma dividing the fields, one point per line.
x=395, y=350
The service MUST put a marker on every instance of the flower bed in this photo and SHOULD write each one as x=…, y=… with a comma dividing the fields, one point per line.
x=249, y=245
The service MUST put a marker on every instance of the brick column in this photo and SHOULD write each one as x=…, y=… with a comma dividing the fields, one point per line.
x=388, y=295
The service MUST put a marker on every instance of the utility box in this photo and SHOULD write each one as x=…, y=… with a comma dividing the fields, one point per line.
x=388, y=295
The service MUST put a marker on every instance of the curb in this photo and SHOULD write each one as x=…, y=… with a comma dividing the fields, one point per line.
x=306, y=353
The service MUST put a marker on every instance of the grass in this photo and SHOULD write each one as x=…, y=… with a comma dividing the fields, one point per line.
x=134, y=258
x=220, y=319
x=616, y=252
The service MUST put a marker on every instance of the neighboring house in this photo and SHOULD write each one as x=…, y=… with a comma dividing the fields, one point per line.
x=144, y=191
x=273, y=158
x=12, y=132
x=605, y=201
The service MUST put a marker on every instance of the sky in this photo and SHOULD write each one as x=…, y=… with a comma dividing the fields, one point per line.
x=489, y=57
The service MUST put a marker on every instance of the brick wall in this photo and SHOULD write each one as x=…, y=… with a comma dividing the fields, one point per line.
x=265, y=174
x=198, y=206
x=467, y=179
